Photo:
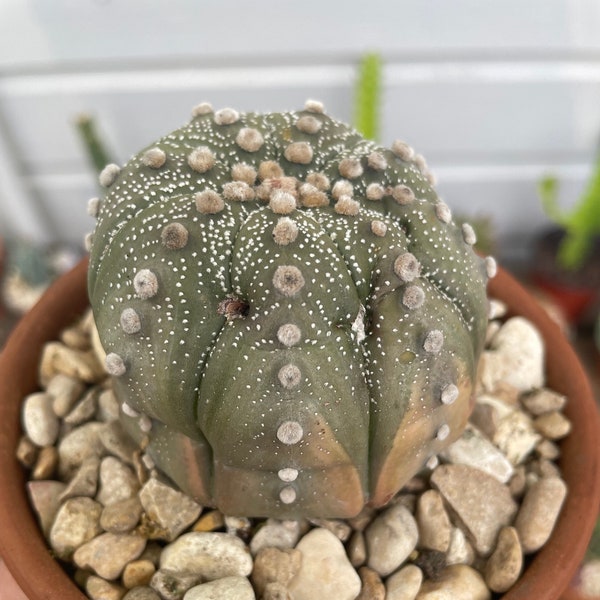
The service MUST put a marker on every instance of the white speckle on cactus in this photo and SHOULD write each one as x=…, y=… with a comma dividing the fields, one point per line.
x=342, y=187
x=290, y=432
x=299, y=152
x=319, y=180
x=289, y=376
x=413, y=297
x=145, y=423
x=469, y=234
x=130, y=321
x=93, y=207
x=145, y=284
x=443, y=212
x=282, y=203
x=201, y=159
x=314, y=106
x=288, y=280
x=226, y=116
x=288, y=474
x=109, y=175
x=249, y=139
x=407, y=267
x=434, y=341
x=379, y=228
x=449, y=394
x=204, y=108
x=375, y=191
x=174, y=236
x=88, y=241
x=309, y=124
x=377, y=161
x=432, y=463
x=403, y=195
x=209, y=202
x=443, y=432
x=491, y=266
x=311, y=197
x=244, y=172
x=289, y=334
x=115, y=365
x=238, y=191
x=129, y=410
x=403, y=151
x=350, y=168
x=285, y=231
x=347, y=206
x=288, y=495
x=154, y=158
x=269, y=169
x=421, y=163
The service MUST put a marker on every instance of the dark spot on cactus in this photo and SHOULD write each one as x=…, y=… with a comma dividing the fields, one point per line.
x=108, y=175
x=377, y=161
x=308, y=124
x=290, y=433
x=449, y=394
x=413, y=297
x=434, y=341
x=285, y=231
x=289, y=334
x=145, y=284
x=350, y=168
x=209, y=202
x=288, y=280
x=402, y=194
x=130, y=321
x=407, y=267
x=226, y=116
x=201, y=159
x=375, y=191
x=407, y=357
x=249, y=139
x=233, y=308
x=403, y=151
x=299, y=152
x=174, y=236
x=154, y=158
x=115, y=365
x=282, y=203
x=289, y=376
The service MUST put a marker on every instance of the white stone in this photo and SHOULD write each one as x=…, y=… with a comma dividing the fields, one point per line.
x=275, y=534
x=326, y=571
x=227, y=588
x=39, y=421
x=404, y=584
x=117, y=481
x=457, y=582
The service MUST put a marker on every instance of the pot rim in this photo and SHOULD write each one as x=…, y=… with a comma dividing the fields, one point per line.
x=66, y=299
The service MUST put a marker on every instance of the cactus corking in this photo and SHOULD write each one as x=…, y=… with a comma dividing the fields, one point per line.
x=291, y=318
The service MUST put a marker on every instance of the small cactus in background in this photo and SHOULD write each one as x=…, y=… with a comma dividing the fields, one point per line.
x=291, y=317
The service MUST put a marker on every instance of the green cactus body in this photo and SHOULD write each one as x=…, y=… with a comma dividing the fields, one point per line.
x=291, y=318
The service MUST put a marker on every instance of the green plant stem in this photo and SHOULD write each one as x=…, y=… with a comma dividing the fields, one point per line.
x=367, y=96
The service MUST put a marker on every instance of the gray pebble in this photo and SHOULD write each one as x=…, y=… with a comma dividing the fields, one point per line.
x=46, y=499
x=108, y=406
x=173, y=585
x=272, y=565
x=39, y=421
x=85, y=480
x=404, y=584
x=84, y=410
x=116, y=442
x=65, y=392
x=434, y=524
x=79, y=444
x=227, y=588
x=122, y=516
x=100, y=589
x=543, y=401
x=506, y=562
x=117, y=481
x=275, y=534
x=552, y=425
x=457, y=582
x=142, y=592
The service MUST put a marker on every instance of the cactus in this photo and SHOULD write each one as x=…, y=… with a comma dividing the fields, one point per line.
x=291, y=318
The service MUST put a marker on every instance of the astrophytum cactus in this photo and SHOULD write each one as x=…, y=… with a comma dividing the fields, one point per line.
x=291, y=318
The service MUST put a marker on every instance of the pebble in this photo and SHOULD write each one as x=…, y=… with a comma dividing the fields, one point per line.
x=552, y=425
x=141, y=593
x=276, y=534
x=84, y=410
x=506, y=562
x=27, y=452
x=390, y=538
x=116, y=442
x=108, y=553
x=543, y=401
x=210, y=521
x=404, y=584
x=275, y=591
x=372, y=586
x=85, y=480
x=480, y=501
x=227, y=588
x=46, y=499
x=82, y=365
x=516, y=437
x=516, y=356
x=138, y=573
x=100, y=589
x=108, y=407
x=474, y=450
x=117, y=481
x=457, y=582
x=357, y=549
x=122, y=516
x=274, y=565
x=339, y=528
x=433, y=522
x=539, y=512
x=210, y=555
x=46, y=463
x=39, y=421
x=170, y=509
x=171, y=585
x=460, y=551
x=325, y=571
x=77, y=521
x=65, y=391
x=79, y=444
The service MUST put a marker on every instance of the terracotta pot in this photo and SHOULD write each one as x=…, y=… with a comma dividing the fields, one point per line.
x=547, y=575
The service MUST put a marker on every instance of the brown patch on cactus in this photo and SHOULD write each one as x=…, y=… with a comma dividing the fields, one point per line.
x=407, y=267
x=309, y=124
x=209, y=202
x=154, y=158
x=342, y=187
x=269, y=169
x=379, y=228
x=403, y=195
x=289, y=376
x=311, y=197
x=233, y=308
x=130, y=321
x=403, y=151
x=285, y=231
x=201, y=159
x=174, y=236
x=290, y=432
x=299, y=152
x=115, y=365
x=434, y=341
x=375, y=191
x=377, y=161
x=226, y=116
x=288, y=280
x=289, y=334
x=145, y=284
x=238, y=191
x=282, y=203
x=350, y=168
x=347, y=206
x=244, y=172
x=249, y=139
x=204, y=108
x=319, y=180
x=413, y=297
x=109, y=175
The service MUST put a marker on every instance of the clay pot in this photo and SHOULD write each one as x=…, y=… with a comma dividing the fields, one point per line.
x=546, y=576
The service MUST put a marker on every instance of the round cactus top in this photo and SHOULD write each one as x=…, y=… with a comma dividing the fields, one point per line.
x=288, y=304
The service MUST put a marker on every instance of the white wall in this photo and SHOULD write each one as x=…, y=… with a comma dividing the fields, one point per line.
x=494, y=93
